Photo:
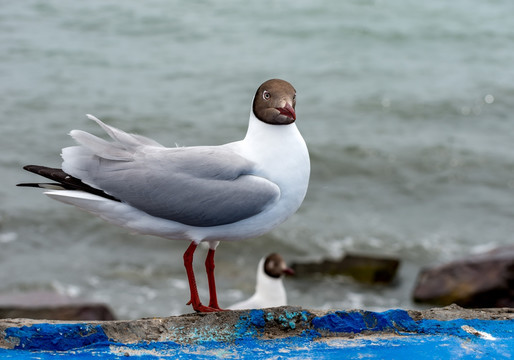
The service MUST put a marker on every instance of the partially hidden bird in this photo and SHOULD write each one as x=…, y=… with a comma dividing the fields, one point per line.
x=269, y=287
x=230, y=192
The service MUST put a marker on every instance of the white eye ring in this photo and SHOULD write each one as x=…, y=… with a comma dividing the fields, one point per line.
x=266, y=95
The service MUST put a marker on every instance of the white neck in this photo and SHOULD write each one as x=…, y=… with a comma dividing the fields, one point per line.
x=280, y=155
x=269, y=288
x=257, y=129
x=281, y=145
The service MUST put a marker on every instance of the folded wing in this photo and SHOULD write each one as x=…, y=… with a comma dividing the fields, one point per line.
x=197, y=186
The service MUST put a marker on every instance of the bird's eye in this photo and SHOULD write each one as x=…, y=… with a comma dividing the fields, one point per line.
x=294, y=97
x=266, y=95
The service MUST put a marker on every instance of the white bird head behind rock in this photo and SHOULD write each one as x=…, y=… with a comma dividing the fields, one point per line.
x=269, y=289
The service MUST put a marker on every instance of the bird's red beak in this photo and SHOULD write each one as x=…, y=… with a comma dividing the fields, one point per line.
x=288, y=111
x=288, y=271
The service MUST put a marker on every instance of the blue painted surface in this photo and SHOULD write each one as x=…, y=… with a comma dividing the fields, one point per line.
x=420, y=347
x=357, y=322
x=395, y=335
x=59, y=337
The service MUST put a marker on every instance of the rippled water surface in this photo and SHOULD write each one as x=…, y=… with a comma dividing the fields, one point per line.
x=406, y=108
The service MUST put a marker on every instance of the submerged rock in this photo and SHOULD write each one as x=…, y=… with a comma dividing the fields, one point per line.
x=363, y=268
x=51, y=306
x=485, y=280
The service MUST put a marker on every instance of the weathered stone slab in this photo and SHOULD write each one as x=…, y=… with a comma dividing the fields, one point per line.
x=286, y=332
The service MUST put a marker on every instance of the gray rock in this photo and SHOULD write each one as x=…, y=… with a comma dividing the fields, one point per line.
x=485, y=280
x=362, y=268
x=51, y=306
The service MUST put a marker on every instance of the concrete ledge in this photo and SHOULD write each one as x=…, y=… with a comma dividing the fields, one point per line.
x=286, y=332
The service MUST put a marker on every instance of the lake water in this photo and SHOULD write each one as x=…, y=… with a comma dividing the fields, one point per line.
x=406, y=108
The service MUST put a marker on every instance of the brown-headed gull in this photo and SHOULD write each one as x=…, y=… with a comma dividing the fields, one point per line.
x=230, y=192
x=269, y=289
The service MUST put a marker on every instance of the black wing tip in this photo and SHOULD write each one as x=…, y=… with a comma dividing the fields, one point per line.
x=37, y=168
x=33, y=169
x=30, y=167
x=64, y=181
x=28, y=185
x=43, y=185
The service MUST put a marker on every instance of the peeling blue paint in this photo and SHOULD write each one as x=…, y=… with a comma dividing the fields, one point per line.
x=456, y=327
x=58, y=337
x=269, y=316
x=289, y=319
x=399, y=321
x=257, y=318
x=250, y=326
x=357, y=322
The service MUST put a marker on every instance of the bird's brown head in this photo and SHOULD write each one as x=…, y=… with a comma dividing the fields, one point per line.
x=274, y=102
x=275, y=266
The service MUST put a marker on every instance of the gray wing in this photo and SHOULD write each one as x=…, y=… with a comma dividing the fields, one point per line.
x=198, y=186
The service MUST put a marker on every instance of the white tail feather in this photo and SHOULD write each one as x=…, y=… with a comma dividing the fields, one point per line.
x=77, y=161
x=128, y=141
x=61, y=195
x=100, y=147
x=112, y=211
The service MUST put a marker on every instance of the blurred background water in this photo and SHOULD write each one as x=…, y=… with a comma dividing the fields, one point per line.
x=405, y=106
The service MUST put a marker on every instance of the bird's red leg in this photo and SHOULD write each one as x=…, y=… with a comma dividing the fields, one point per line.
x=195, y=299
x=209, y=268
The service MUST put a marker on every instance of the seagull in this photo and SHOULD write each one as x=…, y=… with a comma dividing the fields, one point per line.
x=269, y=290
x=230, y=192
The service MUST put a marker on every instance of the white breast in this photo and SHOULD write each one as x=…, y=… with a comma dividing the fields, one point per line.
x=281, y=156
